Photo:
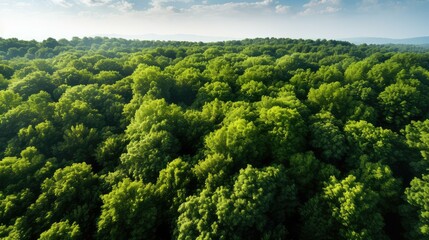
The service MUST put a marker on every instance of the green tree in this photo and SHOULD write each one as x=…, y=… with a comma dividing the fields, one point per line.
x=156, y=115
x=121, y=88
x=3, y=83
x=374, y=144
x=288, y=64
x=78, y=144
x=33, y=83
x=9, y=100
x=358, y=70
x=109, y=151
x=380, y=179
x=43, y=136
x=211, y=91
x=70, y=113
x=302, y=82
x=90, y=105
x=327, y=137
x=327, y=74
x=417, y=135
x=62, y=231
x=146, y=157
x=383, y=74
x=71, y=76
x=345, y=210
x=49, y=43
x=108, y=65
x=239, y=140
x=20, y=179
x=6, y=71
x=256, y=206
x=259, y=73
x=256, y=61
x=417, y=198
x=72, y=194
x=173, y=187
x=188, y=82
x=401, y=103
x=154, y=135
x=107, y=77
x=214, y=168
x=35, y=110
x=221, y=69
x=285, y=129
x=21, y=73
x=128, y=212
x=331, y=97
x=146, y=77
x=309, y=174
x=253, y=91
x=355, y=208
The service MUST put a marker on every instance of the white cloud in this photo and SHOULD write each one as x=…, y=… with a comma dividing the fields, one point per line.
x=238, y=7
x=282, y=9
x=88, y=3
x=201, y=8
x=316, y=3
x=241, y=19
x=330, y=10
x=62, y=3
x=123, y=6
x=160, y=6
x=377, y=6
x=321, y=7
x=163, y=2
x=94, y=3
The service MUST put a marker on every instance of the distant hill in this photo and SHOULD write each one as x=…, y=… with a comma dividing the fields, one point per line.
x=373, y=40
x=171, y=37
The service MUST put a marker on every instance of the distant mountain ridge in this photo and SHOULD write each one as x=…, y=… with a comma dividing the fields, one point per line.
x=171, y=37
x=373, y=40
x=423, y=41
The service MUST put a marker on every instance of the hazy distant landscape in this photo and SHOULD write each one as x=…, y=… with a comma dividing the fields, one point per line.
x=373, y=40
x=201, y=38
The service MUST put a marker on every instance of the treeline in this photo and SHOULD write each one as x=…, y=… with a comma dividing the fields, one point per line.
x=255, y=139
x=49, y=48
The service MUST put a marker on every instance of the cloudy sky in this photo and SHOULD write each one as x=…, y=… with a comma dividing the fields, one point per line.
x=330, y=19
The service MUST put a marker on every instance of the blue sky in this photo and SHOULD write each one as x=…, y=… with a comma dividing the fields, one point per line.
x=330, y=19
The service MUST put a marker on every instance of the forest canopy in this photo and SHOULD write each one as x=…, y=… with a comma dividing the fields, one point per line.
x=254, y=139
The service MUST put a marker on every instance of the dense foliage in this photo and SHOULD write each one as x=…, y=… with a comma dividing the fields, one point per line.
x=255, y=139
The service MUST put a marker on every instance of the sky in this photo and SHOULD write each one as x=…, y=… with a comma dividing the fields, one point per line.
x=218, y=19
